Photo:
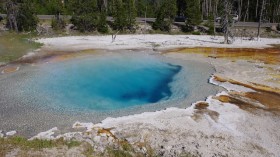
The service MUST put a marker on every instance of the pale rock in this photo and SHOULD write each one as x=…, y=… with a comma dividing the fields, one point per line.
x=46, y=135
x=97, y=139
x=11, y=133
x=111, y=140
x=103, y=135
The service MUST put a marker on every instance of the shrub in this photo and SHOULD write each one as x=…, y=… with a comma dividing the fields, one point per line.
x=86, y=22
x=196, y=33
x=188, y=28
x=211, y=29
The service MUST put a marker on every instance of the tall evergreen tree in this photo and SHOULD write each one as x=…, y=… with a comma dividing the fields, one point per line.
x=193, y=12
x=120, y=20
x=102, y=23
x=165, y=15
x=85, y=14
x=131, y=13
x=141, y=7
x=26, y=18
x=124, y=14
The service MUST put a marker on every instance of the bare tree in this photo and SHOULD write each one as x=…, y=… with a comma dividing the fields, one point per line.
x=246, y=17
x=12, y=12
x=261, y=18
x=257, y=8
x=240, y=5
x=227, y=22
x=214, y=15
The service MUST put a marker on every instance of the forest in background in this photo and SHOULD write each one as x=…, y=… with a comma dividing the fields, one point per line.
x=248, y=10
x=90, y=15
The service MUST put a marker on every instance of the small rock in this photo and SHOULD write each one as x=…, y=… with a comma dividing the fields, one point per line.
x=78, y=137
x=111, y=140
x=11, y=133
x=96, y=139
x=103, y=135
x=144, y=150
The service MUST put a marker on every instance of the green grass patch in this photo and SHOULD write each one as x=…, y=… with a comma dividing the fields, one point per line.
x=8, y=144
x=71, y=144
x=14, y=46
x=195, y=33
x=118, y=153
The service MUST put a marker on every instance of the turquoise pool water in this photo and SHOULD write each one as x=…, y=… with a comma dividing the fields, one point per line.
x=104, y=83
x=90, y=88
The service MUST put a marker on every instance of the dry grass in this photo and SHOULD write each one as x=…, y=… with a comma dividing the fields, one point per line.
x=24, y=145
x=14, y=46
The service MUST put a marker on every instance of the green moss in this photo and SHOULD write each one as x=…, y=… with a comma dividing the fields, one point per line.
x=71, y=144
x=196, y=33
x=88, y=151
x=118, y=153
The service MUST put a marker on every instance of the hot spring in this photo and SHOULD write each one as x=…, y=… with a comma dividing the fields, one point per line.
x=94, y=86
x=103, y=83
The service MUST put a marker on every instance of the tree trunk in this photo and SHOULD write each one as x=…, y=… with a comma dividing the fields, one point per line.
x=257, y=7
x=239, y=8
x=226, y=22
x=246, y=17
x=260, y=18
x=214, y=16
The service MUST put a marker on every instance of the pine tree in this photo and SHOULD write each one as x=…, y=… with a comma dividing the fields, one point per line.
x=193, y=12
x=26, y=18
x=102, y=23
x=131, y=14
x=159, y=24
x=119, y=15
x=141, y=7
x=165, y=15
x=85, y=14
x=124, y=14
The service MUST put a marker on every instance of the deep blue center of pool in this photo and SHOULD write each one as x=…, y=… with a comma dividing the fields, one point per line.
x=106, y=82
